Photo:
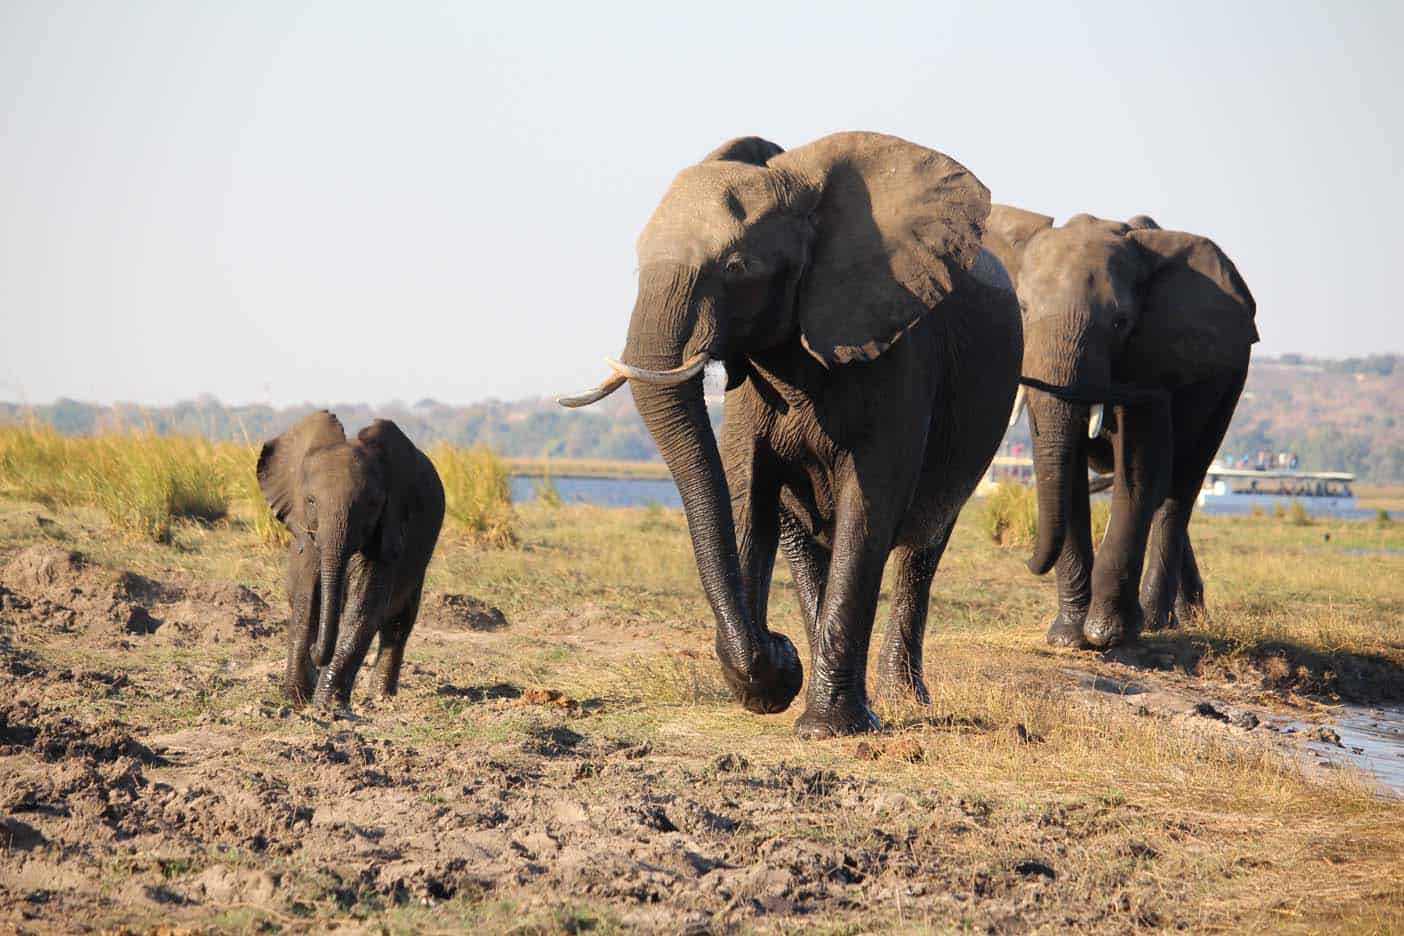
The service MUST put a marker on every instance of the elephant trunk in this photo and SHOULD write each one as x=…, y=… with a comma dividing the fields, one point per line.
x=667, y=328
x=1059, y=428
x=333, y=574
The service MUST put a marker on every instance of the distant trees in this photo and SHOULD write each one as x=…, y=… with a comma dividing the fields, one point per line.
x=1330, y=419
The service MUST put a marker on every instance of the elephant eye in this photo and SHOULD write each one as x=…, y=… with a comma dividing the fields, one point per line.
x=1120, y=324
x=735, y=265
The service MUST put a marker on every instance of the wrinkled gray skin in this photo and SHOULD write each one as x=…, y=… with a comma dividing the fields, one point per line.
x=1157, y=326
x=872, y=353
x=364, y=517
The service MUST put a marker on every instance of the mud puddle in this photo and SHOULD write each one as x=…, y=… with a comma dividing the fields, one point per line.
x=1367, y=739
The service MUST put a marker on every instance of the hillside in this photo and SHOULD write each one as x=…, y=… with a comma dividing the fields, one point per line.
x=1339, y=415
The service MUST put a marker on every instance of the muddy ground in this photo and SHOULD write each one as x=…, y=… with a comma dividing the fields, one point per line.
x=151, y=774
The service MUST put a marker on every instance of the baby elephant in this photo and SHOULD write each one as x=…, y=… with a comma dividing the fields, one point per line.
x=364, y=517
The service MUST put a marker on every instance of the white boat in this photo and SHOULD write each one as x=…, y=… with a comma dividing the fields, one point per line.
x=1242, y=489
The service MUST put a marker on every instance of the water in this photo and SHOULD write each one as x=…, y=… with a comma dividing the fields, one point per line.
x=640, y=492
x=1372, y=739
x=603, y=492
x=1339, y=513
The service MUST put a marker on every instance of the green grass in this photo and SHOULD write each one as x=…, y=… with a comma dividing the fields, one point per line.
x=477, y=492
x=142, y=482
x=1011, y=515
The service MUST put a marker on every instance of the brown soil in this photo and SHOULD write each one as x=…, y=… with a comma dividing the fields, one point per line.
x=245, y=813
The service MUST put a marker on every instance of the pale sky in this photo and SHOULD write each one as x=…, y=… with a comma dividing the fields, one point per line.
x=334, y=201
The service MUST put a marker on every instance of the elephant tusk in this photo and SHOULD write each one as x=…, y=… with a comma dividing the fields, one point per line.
x=611, y=383
x=665, y=378
x=1094, y=420
x=1020, y=401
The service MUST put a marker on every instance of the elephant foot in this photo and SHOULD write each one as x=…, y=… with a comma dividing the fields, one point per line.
x=1106, y=630
x=774, y=681
x=899, y=682
x=837, y=719
x=1065, y=630
x=1187, y=612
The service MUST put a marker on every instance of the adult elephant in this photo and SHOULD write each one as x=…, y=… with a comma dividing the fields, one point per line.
x=872, y=353
x=1136, y=349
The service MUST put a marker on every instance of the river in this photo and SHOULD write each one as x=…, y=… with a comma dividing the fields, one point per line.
x=641, y=492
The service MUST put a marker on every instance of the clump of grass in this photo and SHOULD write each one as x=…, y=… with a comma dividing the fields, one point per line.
x=477, y=492
x=1257, y=511
x=1299, y=515
x=241, y=467
x=1279, y=512
x=1382, y=518
x=142, y=481
x=1011, y=514
x=1101, y=516
x=545, y=488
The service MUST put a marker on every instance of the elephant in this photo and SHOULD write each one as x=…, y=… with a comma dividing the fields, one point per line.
x=871, y=351
x=1136, y=348
x=364, y=517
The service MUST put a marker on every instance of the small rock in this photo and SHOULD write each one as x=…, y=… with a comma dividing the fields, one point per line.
x=1246, y=720
x=1206, y=710
x=1325, y=735
x=730, y=762
x=1023, y=735
x=891, y=802
x=554, y=697
x=140, y=621
x=1032, y=868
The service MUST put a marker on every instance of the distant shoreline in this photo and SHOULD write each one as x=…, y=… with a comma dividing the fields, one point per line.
x=586, y=468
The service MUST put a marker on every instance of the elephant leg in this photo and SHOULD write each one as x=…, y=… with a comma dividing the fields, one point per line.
x=836, y=701
x=304, y=589
x=1189, y=602
x=899, y=660
x=1073, y=570
x=390, y=654
x=1141, y=445
x=1196, y=441
x=360, y=620
x=809, y=567
x=754, y=486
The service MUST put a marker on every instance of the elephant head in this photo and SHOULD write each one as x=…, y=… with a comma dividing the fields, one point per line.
x=340, y=499
x=1113, y=314
x=841, y=245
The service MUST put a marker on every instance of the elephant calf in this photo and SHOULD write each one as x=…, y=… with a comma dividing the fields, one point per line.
x=364, y=517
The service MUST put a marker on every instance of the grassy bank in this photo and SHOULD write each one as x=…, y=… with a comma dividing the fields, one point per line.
x=145, y=484
x=1013, y=803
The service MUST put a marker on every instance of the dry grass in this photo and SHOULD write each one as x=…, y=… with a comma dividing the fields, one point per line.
x=1153, y=822
x=147, y=485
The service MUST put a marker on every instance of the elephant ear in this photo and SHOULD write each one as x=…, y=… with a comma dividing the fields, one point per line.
x=280, y=464
x=399, y=463
x=1197, y=314
x=753, y=150
x=894, y=222
x=1009, y=230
